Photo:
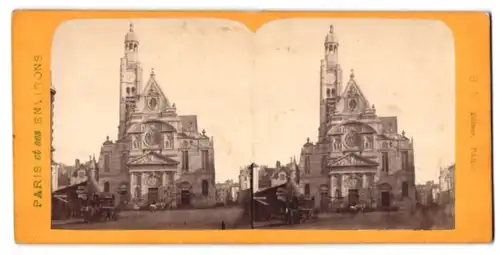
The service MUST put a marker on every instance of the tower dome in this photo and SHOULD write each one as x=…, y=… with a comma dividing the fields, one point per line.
x=330, y=37
x=131, y=35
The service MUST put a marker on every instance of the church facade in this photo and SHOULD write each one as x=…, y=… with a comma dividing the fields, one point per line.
x=360, y=157
x=159, y=156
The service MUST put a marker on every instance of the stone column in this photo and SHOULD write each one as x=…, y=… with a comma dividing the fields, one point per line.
x=366, y=183
x=164, y=179
x=133, y=183
x=173, y=194
x=333, y=185
x=144, y=186
x=345, y=188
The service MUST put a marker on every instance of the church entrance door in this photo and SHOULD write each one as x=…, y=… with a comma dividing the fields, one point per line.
x=185, y=198
x=386, y=198
x=152, y=195
x=353, y=197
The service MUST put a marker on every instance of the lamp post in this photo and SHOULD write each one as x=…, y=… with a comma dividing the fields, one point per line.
x=250, y=168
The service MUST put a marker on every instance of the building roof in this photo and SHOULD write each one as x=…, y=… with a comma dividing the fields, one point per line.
x=389, y=124
x=189, y=123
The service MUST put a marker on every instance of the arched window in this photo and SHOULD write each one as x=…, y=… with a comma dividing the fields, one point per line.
x=185, y=161
x=106, y=187
x=328, y=92
x=404, y=189
x=307, y=165
x=204, y=188
x=307, y=190
x=282, y=176
x=106, y=163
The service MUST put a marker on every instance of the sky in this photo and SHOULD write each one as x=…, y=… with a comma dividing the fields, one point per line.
x=257, y=94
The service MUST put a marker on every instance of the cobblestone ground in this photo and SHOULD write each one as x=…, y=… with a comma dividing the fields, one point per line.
x=373, y=220
x=168, y=219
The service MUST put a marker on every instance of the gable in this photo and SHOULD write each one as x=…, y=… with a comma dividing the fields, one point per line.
x=153, y=158
x=353, y=90
x=352, y=98
x=153, y=97
x=353, y=160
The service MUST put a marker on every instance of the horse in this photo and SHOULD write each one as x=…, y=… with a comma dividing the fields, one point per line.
x=153, y=207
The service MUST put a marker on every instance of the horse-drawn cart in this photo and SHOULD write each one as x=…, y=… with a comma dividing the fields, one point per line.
x=98, y=207
x=306, y=209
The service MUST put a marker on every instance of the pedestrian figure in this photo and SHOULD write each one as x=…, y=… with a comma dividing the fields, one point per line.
x=223, y=225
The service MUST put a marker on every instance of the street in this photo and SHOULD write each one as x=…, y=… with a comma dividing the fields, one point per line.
x=169, y=219
x=212, y=219
x=372, y=220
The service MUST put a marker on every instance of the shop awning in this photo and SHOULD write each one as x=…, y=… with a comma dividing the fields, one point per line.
x=60, y=198
x=261, y=201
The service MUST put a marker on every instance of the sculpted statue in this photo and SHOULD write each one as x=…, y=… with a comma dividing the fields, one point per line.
x=336, y=144
x=136, y=141
x=169, y=140
x=368, y=142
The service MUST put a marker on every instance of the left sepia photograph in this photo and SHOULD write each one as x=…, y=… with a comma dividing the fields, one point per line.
x=142, y=112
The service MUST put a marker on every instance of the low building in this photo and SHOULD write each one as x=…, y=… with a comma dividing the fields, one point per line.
x=244, y=178
x=427, y=193
x=447, y=184
x=53, y=166
x=447, y=189
x=227, y=192
x=88, y=171
x=234, y=190
x=54, y=181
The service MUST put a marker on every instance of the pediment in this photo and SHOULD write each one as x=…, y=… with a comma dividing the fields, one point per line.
x=153, y=158
x=353, y=160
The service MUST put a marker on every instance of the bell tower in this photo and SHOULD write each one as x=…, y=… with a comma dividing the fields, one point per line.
x=130, y=79
x=330, y=81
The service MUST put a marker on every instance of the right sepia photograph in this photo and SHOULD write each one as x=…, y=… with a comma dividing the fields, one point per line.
x=353, y=125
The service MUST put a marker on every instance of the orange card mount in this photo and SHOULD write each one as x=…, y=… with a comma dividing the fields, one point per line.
x=204, y=127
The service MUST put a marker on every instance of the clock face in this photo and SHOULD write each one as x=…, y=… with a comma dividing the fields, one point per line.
x=130, y=77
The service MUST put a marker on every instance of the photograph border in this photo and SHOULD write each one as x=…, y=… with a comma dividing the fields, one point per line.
x=32, y=35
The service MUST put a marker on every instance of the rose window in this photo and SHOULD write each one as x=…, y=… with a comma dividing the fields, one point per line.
x=152, y=138
x=351, y=139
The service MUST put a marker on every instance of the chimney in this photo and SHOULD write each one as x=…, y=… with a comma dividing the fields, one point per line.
x=77, y=163
x=278, y=165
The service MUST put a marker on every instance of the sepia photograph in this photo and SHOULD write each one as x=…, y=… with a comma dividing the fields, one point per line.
x=203, y=124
